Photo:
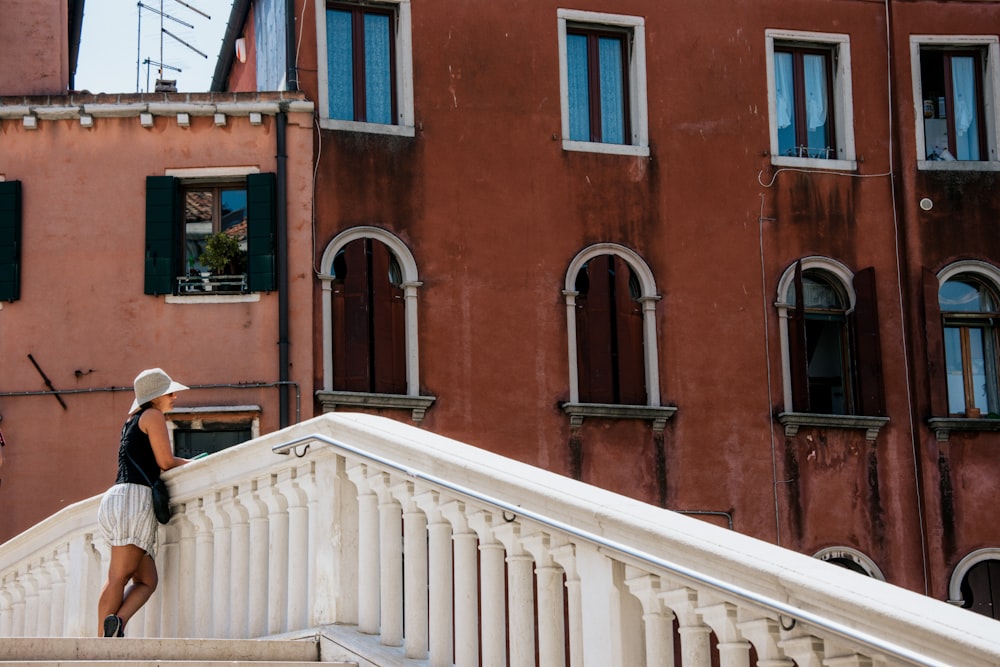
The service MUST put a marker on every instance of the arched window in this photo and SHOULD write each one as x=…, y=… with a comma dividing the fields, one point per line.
x=975, y=583
x=611, y=329
x=969, y=311
x=830, y=339
x=850, y=559
x=370, y=355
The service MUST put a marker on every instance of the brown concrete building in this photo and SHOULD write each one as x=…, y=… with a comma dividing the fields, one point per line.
x=577, y=235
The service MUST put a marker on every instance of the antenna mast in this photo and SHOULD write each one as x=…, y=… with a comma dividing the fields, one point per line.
x=163, y=85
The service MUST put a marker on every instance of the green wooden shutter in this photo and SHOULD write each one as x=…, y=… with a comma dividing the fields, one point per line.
x=163, y=206
x=261, y=232
x=10, y=240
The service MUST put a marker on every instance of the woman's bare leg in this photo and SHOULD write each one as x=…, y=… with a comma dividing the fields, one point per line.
x=127, y=562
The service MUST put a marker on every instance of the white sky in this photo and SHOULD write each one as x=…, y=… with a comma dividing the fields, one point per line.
x=111, y=44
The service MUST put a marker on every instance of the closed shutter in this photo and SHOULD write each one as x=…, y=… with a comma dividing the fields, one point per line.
x=387, y=325
x=163, y=207
x=261, y=233
x=629, y=347
x=354, y=374
x=10, y=240
x=594, y=335
x=868, y=350
x=933, y=329
x=797, y=347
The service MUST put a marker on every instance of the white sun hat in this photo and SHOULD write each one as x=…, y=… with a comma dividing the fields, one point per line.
x=152, y=383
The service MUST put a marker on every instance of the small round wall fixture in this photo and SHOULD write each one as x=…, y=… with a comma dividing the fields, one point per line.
x=926, y=204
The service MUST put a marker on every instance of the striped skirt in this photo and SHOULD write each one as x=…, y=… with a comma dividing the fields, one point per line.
x=126, y=517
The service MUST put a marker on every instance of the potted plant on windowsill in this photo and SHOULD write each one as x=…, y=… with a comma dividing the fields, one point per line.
x=224, y=257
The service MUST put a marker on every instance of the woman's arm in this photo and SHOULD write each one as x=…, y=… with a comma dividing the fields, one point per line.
x=154, y=424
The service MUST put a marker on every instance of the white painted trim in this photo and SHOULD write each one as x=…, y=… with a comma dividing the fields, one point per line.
x=991, y=111
x=190, y=174
x=974, y=266
x=410, y=283
x=962, y=569
x=842, y=103
x=866, y=563
x=638, y=104
x=648, y=298
x=405, y=115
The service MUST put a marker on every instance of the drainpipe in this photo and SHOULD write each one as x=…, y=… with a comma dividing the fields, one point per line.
x=281, y=195
x=291, y=66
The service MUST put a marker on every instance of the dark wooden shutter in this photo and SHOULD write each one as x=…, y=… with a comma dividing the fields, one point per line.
x=628, y=322
x=10, y=240
x=262, y=242
x=388, y=342
x=797, y=347
x=596, y=379
x=163, y=209
x=354, y=374
x=981, y=588
x=868, y=350
x=934, y=331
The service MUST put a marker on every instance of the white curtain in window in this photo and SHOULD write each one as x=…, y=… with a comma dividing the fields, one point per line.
x=783, y=88
x=963, y=78
x=815, y=84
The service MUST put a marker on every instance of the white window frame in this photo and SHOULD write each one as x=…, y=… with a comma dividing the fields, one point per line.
x=842, y=104
x=991, y=108
x=638, y=112
x=405, y=123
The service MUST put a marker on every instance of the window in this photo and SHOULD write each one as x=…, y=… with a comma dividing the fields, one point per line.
x=365, y=67
x=10, y=240
x=810, y=99
x=602, y=79
x=975, y=583
x=830, y=339
x=370, y=352
x=969, y=311
x=850, y=559
x=207, y=430
x=954, y=90
x=183, y=215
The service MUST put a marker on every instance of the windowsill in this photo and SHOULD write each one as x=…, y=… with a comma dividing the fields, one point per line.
x=943, y=426
x=957, y=165
x=656, y=414
x=793, y=420
x=610, y=149
x=814, y=163
x=331, y=400
x=218, y=297
x=367, y=128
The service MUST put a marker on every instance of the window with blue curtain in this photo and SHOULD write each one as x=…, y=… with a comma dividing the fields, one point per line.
x=803, y=90
x=597, y=67
x=361, y=63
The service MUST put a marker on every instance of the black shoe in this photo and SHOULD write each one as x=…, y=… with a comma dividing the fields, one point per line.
x=113, y=626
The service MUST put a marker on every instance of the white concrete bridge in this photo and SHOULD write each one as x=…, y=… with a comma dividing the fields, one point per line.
x=362, y=540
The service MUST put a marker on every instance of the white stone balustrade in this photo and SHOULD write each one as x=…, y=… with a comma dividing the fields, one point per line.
x=445, y=554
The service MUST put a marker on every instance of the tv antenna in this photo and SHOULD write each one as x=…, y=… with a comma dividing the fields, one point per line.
x=169, y=86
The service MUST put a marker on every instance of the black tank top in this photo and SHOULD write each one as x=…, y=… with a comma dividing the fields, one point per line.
x=135, y=444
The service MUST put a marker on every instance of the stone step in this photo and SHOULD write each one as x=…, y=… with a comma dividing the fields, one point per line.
x=99, y=651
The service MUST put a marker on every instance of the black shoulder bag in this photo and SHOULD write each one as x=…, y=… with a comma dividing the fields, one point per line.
x=161, y=497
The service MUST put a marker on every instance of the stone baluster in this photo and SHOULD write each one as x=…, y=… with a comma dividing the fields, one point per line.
x=440, y=581
x=237, y=517
x=85, y=578
x=415, y=575
x=804, y=649
x=565, y=556
x=222, y=560
x=369, y=553
x=333, y=536
x=300, y=556
x=734, y=650
x=601, y=630
x=43, y=577
x=203, y=572
x=163, y=608
x=493, y=618
x=657, y=620
x=520, y=595
x=30, y=581
x=6, y=608
x=764, y=634
x=277, y=552
x=16, y=591
x=390, y=560
x=549, y=585
x=187, y=564
x=839, y=654
x=465, y=583
x=259, y=549
x=696, y=650
x=60, y=569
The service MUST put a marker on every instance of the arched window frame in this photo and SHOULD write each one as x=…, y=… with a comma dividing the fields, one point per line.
x=962, y=569
x=861, y=560
x=790, y=419
x=944, y=425
x=652, y=411
x=412, y=400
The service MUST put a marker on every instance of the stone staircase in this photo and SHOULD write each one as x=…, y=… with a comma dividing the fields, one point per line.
x=99, y=652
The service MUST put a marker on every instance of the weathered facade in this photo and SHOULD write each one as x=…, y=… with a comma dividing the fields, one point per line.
x=615, y=296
